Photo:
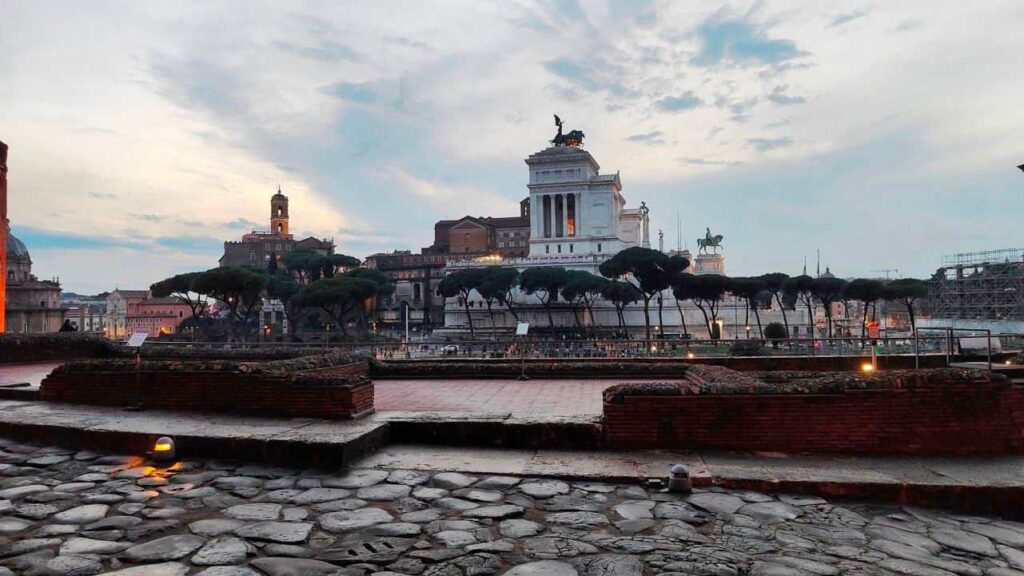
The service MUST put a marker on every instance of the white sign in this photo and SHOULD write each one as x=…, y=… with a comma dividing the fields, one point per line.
x=137, y=339
x=979, y=344
x=522, y=328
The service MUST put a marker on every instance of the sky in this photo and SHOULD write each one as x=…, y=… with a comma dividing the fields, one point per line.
x=145, y=134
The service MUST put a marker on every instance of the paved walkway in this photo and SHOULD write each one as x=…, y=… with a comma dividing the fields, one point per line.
x=31, y=373
x=520, y=398
x=69, y=512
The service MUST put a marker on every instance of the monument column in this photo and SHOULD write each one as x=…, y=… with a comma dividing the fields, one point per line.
x=549, y=218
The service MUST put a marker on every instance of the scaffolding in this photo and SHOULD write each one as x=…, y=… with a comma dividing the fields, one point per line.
x=979, y=286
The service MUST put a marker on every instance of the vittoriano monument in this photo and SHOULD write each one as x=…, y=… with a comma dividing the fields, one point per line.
x=574, y=138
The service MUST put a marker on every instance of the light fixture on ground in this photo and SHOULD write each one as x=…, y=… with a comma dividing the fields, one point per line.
x=867, y=367
x=163, y=449
x=679, y=479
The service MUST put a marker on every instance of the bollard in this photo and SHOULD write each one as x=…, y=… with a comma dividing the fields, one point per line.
x=679, y=479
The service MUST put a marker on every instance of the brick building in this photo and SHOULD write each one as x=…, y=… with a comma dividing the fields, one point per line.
x=257, y=247
x=480, y=235
x=156, y=316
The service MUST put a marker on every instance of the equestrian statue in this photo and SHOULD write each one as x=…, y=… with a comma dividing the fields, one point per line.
x=709, y=241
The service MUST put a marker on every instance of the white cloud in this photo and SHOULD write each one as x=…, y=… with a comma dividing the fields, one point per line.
x=378, y=119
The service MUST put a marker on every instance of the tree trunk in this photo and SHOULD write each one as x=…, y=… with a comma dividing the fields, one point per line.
x=782, y=306
x=707, y=323
x=576, y=316
x=910, y=312
x=469, y=317
x=757, y=316
x=682, y=317
x=491, y=314
x=864, y=324
x=551, y=319
x=661, y=320
x=511, y=309
x=647, y=319
x=810, y=322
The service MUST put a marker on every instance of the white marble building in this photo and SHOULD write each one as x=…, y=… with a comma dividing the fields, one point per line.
x=576, y=210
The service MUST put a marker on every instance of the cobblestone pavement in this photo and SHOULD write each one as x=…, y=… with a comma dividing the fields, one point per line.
x=537, y=398
x=80, y=513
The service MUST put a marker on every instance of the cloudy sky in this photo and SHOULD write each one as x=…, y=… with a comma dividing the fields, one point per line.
x=144, y=134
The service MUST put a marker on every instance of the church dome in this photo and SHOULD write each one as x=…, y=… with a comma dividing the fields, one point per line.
x=16, y=248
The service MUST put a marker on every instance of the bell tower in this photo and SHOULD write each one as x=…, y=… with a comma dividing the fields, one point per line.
x=279, y=213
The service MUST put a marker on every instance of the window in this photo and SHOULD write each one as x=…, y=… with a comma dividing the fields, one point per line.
x=570, y=248
x=559, y=248
x=598, y=246
x=547, y=249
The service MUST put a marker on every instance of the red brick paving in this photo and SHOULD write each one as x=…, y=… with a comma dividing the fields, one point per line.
x=520, y=398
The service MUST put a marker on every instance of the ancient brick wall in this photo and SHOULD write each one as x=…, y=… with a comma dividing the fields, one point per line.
x=326, y=392
x=948, y=417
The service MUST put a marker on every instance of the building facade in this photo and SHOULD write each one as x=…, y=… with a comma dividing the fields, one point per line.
x=507, y=237
x=33, y=306
x=119, y=302
x=157, y=316
x=256, y=248
x=577, y=210
x=415, y=298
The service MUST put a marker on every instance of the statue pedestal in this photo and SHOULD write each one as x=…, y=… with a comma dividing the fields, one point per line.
x=709, y=264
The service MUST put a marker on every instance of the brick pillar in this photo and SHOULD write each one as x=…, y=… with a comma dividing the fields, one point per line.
x=4, y=231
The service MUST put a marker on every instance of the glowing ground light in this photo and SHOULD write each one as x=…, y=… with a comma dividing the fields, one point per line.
x=867, y=367
x=689, y=355
x=163, y=449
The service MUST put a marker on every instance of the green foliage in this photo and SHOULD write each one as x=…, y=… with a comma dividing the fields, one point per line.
x=544, y=283
x=180, y=286
x=620, y=294
x=495, y=285
x=238, y=287
x=343, y=261
x=906, y=291
x=340, y=296
x=650, y=271
x=307, y=265
x=864, y=290
x=461, y=283
x=385, y=287
x=776, y=332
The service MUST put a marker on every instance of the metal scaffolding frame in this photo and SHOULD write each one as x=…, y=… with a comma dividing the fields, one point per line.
x=979, y=286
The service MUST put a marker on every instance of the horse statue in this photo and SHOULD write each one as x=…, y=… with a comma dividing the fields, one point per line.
x=573, y=138
x=709, y=241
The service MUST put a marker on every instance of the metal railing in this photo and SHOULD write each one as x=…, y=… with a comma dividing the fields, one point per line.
x=945, y=343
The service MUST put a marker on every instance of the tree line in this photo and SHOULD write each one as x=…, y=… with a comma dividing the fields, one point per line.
x=310, y=286
x=644, y=275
